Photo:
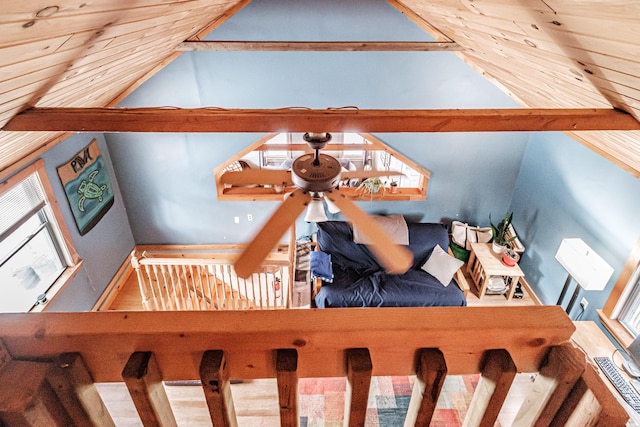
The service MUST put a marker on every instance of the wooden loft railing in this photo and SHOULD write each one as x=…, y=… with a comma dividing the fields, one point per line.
x=202, y=277
x=49, y=361
x=207, y=281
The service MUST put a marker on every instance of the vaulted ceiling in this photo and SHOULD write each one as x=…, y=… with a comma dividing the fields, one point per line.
x=558, y=54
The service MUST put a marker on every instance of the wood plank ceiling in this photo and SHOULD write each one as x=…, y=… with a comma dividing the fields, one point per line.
x=543, y=53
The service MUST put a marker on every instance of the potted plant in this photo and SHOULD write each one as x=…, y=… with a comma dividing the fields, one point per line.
x=371, y=186
x=501, y=240
x=393, y=185
x=510, y=257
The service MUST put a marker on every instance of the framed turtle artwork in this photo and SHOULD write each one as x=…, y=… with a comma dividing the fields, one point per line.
x=87, y=184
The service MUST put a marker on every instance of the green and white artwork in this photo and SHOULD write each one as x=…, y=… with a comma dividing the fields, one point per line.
x=87, y=184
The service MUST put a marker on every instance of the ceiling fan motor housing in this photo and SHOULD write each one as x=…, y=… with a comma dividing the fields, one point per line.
x=320, y=176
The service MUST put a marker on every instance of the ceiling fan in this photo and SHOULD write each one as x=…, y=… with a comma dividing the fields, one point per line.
x=315, y=176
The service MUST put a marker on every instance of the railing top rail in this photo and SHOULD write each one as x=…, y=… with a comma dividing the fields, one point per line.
x=249, y=338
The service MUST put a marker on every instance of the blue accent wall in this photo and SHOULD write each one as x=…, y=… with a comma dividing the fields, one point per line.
x=170, y=193
x=105, y=247
x=556, y=187
x=565, y=190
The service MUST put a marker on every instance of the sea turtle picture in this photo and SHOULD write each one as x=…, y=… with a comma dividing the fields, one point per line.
x=90, y=190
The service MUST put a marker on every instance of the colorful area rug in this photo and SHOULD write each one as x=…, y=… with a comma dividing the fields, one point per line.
x=322, y=401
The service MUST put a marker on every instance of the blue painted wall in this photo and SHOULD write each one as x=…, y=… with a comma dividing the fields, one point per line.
x=565, y=190
x=105, y=247
x=170, y=192
x=556, y=187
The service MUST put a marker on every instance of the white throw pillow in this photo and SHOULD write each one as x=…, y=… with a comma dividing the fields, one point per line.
x=442, y=266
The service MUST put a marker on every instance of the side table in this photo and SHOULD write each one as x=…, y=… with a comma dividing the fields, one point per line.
x=484, y=263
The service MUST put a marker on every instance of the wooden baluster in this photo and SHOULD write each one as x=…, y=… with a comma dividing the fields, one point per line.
x=216, y=288
x=203, y=293
x=248, y=301
x=143, y=378
x=184, y=293
x=176, y=289
x=287, y=376
x=359, y=368
x=498, y=372
x=226, y=282
x=253, y=282
x=430, y=375
x=165, y=285
x=72, y=383
x=190, y=291
x=191, y=283
x=207, y=279
x=154, y=299
x=142, y=284
x=26, y=397
x=214, y=376
x=562, y=368
x=159, y=292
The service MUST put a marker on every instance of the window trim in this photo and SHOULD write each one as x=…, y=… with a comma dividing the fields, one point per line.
x=62, y=231
x=608, y=314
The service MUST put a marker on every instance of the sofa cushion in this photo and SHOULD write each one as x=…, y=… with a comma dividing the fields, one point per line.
x=394, y=225
x=423, y=237
x=442, y=266
x=336, y=239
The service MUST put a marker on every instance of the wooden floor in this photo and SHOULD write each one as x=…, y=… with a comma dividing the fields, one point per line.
x=256, y=401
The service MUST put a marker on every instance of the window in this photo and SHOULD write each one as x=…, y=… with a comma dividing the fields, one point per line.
x=353, y=150
x=629, y=315
x=621, y=312
x=33, y=251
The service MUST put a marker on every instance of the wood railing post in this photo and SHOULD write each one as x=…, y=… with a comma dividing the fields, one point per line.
x=431, y=372
x=498, y=372
x=26, y=397
x=287, y=377
x=72, y=383
x=359, y=368
x=559, y=373
x=143, y=378
x=144, y=294
x=214, y=376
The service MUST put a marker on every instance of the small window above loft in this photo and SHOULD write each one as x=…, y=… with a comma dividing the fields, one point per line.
x=354, y=151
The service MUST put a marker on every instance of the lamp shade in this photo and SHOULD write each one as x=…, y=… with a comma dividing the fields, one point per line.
x=583, y=264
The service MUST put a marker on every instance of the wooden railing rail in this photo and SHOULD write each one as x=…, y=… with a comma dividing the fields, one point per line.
x=48, y=361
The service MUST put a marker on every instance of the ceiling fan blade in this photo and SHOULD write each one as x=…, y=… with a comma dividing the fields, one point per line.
x=257, y=176
x=367, y=174
x=396, y=259
x=270, y=233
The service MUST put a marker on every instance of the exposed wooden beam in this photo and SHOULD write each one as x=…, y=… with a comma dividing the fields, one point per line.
x=334, y=46
x=187, y=120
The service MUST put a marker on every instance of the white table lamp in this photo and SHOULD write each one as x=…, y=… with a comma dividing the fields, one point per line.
x=583, y=264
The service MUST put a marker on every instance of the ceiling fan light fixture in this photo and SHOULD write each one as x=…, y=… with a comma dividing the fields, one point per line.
x=331, y=207
x=317, y=140
x=315, y=210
